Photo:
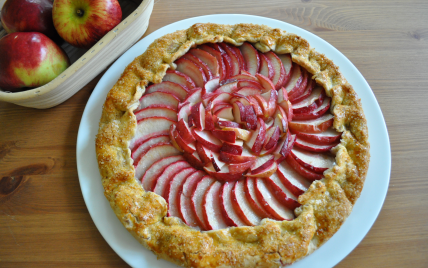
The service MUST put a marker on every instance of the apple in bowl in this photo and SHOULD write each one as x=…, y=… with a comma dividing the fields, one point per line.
x=83, y=22
x=29, y=59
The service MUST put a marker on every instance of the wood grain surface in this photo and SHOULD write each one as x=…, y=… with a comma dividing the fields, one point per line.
x=43, y=218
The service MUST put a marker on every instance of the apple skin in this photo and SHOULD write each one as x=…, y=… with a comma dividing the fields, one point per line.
x=83, y=22
x=29, y=59
x=29, y=16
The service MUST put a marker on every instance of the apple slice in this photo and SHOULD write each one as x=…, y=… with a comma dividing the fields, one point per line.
x=226, y=59
x=295, y=80
x=283, y=150
x=310, y=103
x=229, y=87
x=172, y=136
x=235, y=158
x=240, y=167
x=287, y=64
x=197, y=200
x=169, y=87
x=212, y=211
x=316, y=113
x=282, y=95
x=328, y=137
x=251, y=58
x=198, y=115
x=221, y=65
x=173, y=191
x=279, y=75
x=255, y=203
x=219, y=106
x=150, y=127
x=258, y=137
x=143, y=146
x=234, y=63
x=208, y=59
x=149, y=179
x=184, y=112
x=204, y=154
x=217, y=98
x=194, y=96
x=242, y=205
x=272, y=137
x=294, y=182
x=310, y=147
x=239, y=112
x=192, y=70
x=208, y=140
x=185, y=131
x=288, y=109
x=158, y=98
x=222, y=123
x=155, y=153
x=266, y=68
x=245, y=77
x=232, y=218
x=249, y=83
x=222, y=175
x=248, y=91
x=185, y=206
x=281, y=193
x=317, y=163
x=265, y=170
x=271, y=98
x=185, y=146
x=210, y=86
x=200, y=64
x=165, y=177
x=209, y=118
x=317, y=125
x=278, y=210
x=232, y=148
x=250, y=117
x=179, y=78
x=265, y=82
x=238, y=54
x=309, y=88
x=256, y=106
x=162, y=111
x=297, y=91
x=194, y=160
x=225, y=135
x=311, y=176
x=225, y=113
x=216, y=162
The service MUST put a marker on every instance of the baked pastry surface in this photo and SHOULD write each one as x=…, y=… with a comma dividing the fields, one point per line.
x=325, y=205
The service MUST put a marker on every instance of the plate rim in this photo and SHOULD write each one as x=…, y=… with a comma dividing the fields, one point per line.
x=333, y=248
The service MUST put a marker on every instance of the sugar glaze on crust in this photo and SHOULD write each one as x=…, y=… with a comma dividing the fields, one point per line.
x=325, y=205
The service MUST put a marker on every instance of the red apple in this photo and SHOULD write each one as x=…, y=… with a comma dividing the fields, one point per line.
x=29, y=60
x=29, y=16
x=83, y=22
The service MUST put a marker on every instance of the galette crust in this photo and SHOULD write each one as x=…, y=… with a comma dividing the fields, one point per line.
x=325, y=205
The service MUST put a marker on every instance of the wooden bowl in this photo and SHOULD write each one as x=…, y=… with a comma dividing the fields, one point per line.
x=86, y=64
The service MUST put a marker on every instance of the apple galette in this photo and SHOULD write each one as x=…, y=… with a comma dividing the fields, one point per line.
x=232, y=146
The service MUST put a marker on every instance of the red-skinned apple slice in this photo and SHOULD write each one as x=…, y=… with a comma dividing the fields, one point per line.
x=288, y=109
x=169, y=87
x=194, y=96
x=219, y=106
x=262, y=165
x=235, y=158
x=239, y=112
x=232, y=218
x=310, y=147
x=174, y=143
x=272, y=137
x=222, y=175
x=279, y=76
x=255, y=203
x=310, y=103
x=187, y=147
x=169, y=172
x=173, y=191
x=185, y=131
x=270, y=203
x=311, y=176
x=216, y=162
x=318, y=112
x=287, y=64
x=228, y=87
x=155, y=153
x=208, y=140
x=262, y=103
x=215, y=53
x=267, y=172
x=210, y=86
x=234, y=61
x=164, y=111
x=317, y=163
x=198, y=115
x=185, y=200
x=179, y=78
x=143, y=146
x=286, y=149
x=309, y=87
x=222, y=123
x=256, y=105
x=209, y=118
x=240, y=167
x=248, y=91
x=266, y=68
x=232, y=148
x=204, y=154
x=317, y=125
x=200, y=64
x=251, y=58
x=280, y=119
x=265, y=82
x=271, y=98
x=249, y=83
x=217, y=98
x=225, y=58
x=197, y=200
x=225, y=135
x=208, y=59
x=296, y=79
x=245, y=77
x=194, y=160
x=154, y=172
x=150, y=127
x=293, y=181
x=282, y=95
x=212, y=211
x=282, y=194
x=192, y=70
x=302, y=87
x=242, y=205
x=225, y=113
x=184, y=113
x=328, y=137
x=258, y=137
x=242, y=63
x=250, y=117
x=158, y=98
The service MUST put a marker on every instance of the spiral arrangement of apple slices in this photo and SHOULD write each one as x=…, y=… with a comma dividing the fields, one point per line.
x=232, y=136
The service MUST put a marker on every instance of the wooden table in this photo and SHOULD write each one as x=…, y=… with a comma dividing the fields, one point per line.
x=43, y=218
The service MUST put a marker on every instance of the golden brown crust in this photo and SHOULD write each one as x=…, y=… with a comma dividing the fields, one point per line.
x=325, y=206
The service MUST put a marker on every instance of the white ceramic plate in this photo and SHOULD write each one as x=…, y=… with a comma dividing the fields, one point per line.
x=341, y=244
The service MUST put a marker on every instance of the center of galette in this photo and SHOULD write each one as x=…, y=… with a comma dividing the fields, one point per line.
x=233, y=136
